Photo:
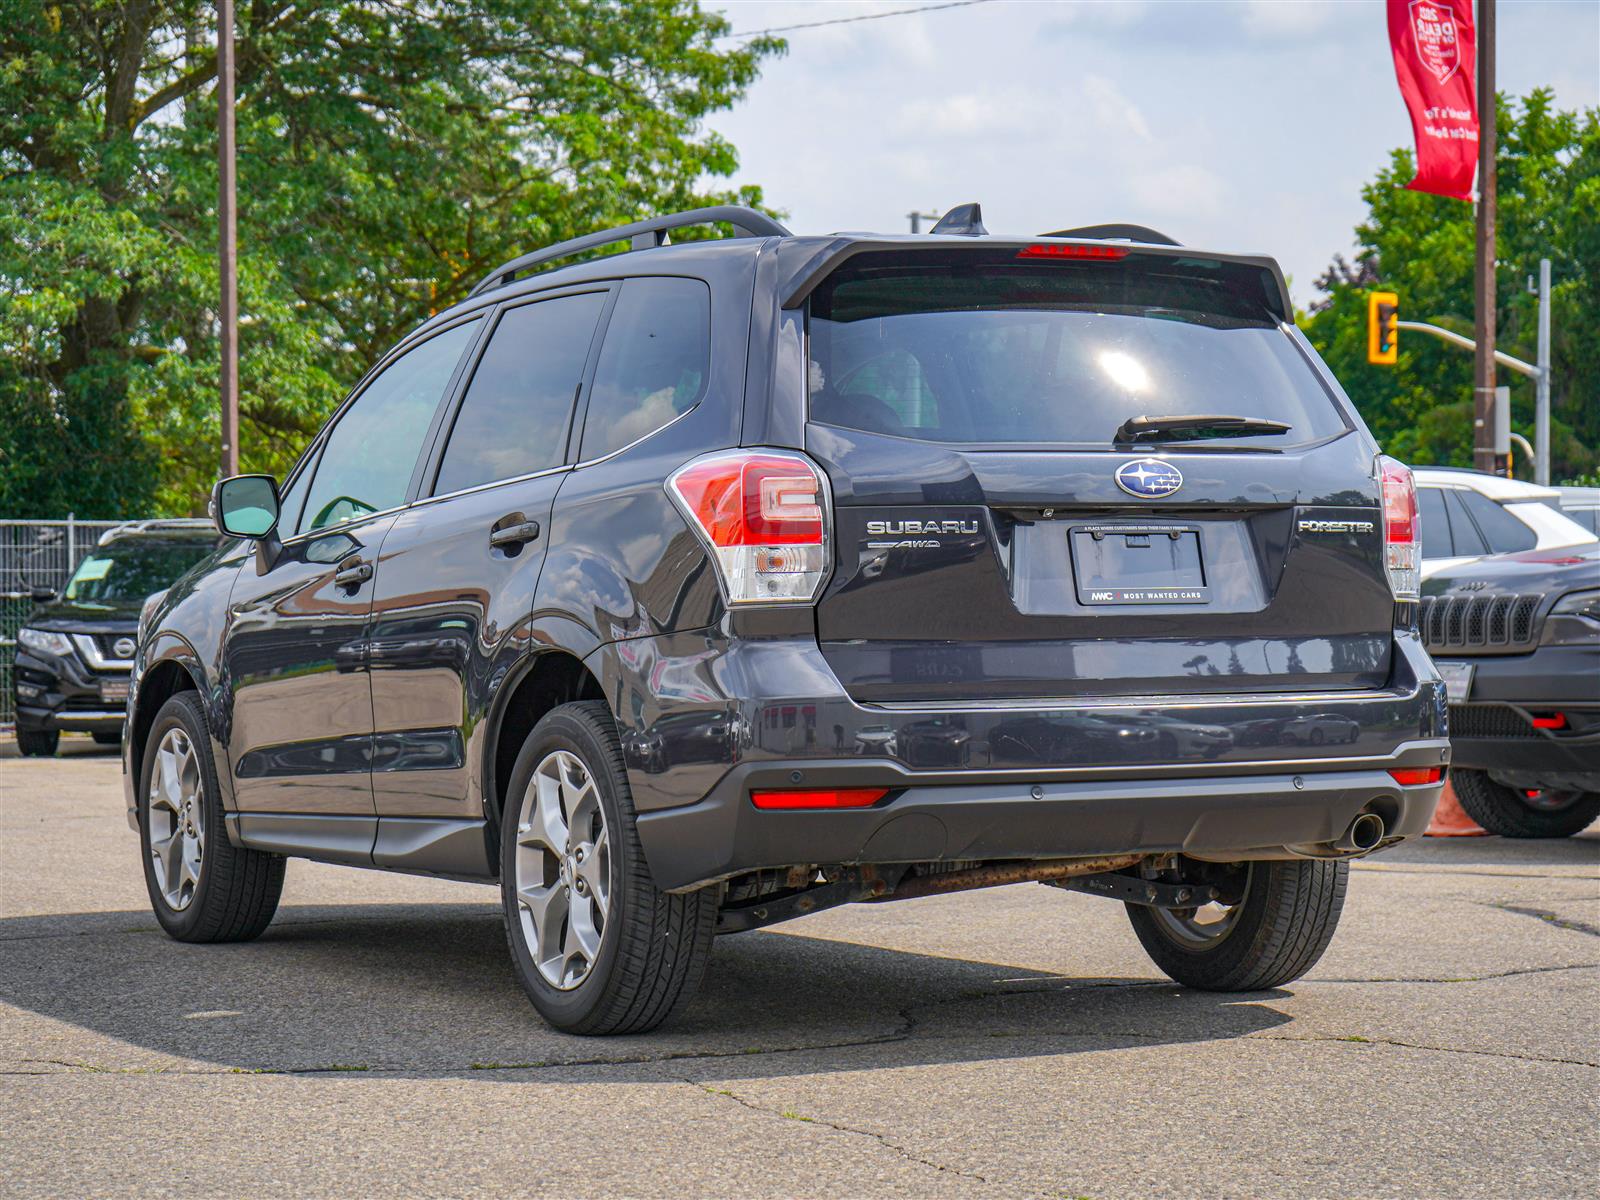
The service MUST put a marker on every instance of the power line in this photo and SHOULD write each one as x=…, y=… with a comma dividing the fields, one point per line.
x=898, y=12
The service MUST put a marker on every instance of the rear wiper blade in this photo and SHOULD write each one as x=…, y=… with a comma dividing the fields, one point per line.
x=1194, y=427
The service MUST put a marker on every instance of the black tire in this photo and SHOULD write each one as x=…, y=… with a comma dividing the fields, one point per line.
x=654, y=946
x=107, y=737
x=37, y=743
x=1282, y=924
x=237, y=892
x=1509, y=812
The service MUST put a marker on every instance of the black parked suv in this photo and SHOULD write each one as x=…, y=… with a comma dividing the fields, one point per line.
x=75, y=649
x=1517, y=639
x=691, y=589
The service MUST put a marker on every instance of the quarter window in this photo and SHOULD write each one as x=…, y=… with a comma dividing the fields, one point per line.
x=654, y=363
x=368, y=459
x=1504, y=533
x=1467, y=540
x=514, y=417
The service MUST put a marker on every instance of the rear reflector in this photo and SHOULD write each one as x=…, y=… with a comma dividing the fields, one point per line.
x=1049, y=250
x=1402, y=549
x=1411, y=776
x=820, y=798
x=763, y=515
x=1551, y=721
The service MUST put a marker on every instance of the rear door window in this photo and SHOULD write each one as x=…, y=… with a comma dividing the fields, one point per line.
x=1435, y=523
x=654, y=363
x=1001, y=353
x=514, y=417
x=369, y=456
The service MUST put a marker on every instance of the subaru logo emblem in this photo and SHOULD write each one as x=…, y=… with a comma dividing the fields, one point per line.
x=123, y=647
x=1149, y=478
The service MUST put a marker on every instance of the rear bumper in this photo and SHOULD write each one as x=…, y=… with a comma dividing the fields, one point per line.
x=704, y=719
x=1229, y=817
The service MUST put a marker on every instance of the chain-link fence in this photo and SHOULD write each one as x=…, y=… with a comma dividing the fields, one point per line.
x=35, y=554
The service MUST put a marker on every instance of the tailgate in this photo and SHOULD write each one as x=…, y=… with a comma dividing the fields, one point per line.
x=992, y=541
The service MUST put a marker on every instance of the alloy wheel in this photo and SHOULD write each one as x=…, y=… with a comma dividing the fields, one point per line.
x=177, y=820
x=1205, y=926
x=1550, y=799
x=563, y=869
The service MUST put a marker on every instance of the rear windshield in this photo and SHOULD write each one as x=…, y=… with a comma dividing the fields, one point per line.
x=1001, y=353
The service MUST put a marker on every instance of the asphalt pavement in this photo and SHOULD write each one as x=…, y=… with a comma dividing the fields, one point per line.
x=1011, y=1042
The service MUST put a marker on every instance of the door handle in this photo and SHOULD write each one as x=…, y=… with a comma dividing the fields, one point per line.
x=514, y=535
x=353, y=574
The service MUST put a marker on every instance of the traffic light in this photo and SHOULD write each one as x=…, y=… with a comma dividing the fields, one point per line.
x=1383, y=330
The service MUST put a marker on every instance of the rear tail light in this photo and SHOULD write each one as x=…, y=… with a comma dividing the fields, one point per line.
x=1411, y=776
x=819, y=798
x=1402, y=545
x=764, y=515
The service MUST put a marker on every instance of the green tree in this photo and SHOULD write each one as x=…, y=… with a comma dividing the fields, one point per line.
x=1421, y=246
x=390, y=153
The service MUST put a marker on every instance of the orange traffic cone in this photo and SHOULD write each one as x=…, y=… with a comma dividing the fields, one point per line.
x=1451, y=820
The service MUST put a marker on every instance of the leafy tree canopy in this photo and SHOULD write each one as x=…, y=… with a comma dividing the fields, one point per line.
x=391, y=152
x=1421, y=247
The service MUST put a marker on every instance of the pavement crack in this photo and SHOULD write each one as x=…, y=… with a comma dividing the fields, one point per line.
x=1545, y=915
x=1383, y=1041
x=1511, y=973
x=881, y=1140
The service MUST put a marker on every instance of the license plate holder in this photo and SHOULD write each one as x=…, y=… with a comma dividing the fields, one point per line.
x=1138, y=564
x=114, y=690
x=1457, y=678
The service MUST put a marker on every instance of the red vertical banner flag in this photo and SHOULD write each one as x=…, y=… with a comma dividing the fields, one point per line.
x=1435, y=59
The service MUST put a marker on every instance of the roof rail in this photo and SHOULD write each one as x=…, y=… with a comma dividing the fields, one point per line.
x=154, y=525
x=1116, y=232
x=644, y=235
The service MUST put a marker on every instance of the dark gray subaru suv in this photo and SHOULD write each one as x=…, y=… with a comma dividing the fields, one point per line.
x=698, y=587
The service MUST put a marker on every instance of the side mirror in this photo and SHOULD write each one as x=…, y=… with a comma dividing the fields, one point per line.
x=43, y=595
x=245, y=506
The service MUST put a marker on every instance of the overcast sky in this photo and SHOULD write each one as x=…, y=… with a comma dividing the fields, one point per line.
x=1242, y=125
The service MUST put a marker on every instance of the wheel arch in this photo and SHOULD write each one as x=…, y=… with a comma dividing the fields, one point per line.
x=159, y=683
x=545, y=679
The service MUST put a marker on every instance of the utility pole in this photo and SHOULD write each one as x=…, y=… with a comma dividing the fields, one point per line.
x=227, y=241
x=1483, y=395
x=917, y=218
x=1541, y=410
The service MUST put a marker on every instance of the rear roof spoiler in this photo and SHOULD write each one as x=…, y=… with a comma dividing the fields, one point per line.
x=814, y=259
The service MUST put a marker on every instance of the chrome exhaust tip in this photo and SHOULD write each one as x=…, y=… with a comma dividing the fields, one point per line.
x=1365, y=832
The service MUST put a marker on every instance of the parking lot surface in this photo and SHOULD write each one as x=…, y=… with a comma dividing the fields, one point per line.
x=1013, y=1042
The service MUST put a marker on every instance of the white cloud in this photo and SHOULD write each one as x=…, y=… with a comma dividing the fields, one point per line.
x=989, y=114
x=1180, y=190
x=1113, y=111
x=1296, y=18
